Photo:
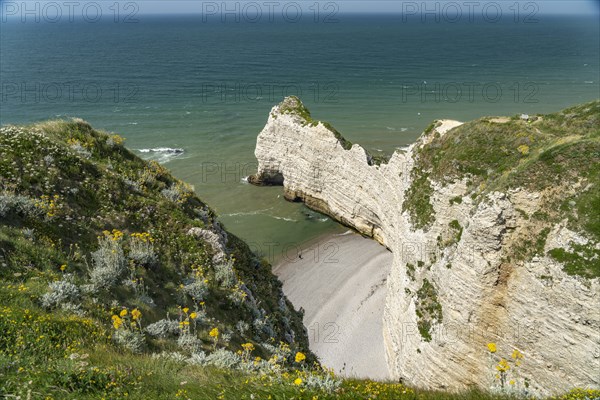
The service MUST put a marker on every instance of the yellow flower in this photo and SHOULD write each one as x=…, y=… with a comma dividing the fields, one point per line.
x=117, y=322
x=63, y=267
x=516, y=354
x=300, y=357
x=136, y=314
x=512, y=382
x=491, y=347
x=214, y=333
x=186, y=309
x=298, y=382
x=248, y=346
x=503, y=366
x=523, y=149
x=123, y=313
x=193, y=315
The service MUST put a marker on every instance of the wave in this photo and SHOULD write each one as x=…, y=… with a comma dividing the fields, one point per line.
x=284, y=218
x=162, y=154
x=162, y=150
x=256, y=212
x=259, y=212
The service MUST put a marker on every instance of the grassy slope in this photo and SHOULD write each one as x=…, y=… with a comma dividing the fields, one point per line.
x=559, y=150
x=92, y=184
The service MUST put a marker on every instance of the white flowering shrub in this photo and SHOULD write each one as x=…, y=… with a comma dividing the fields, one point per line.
x=109, y=263
x=171, y=194
x=237, y=295
x=163, y=328
x=171, y=356
x=198, y=358
x=134, y=341
x=281, y=352
x=28, y=233
x=197, y=289
x=325, y=382
x=222, y=358
x=79, y=149
x=179, y=192
x=225, y=274
x=133, y=185
x=263, y=326
x=48, y=159
x=141, y=249
x=242, y=327
x=189, y=343
x=12, y=203
x=226, y=337
x=60, y=292
x=73, y=309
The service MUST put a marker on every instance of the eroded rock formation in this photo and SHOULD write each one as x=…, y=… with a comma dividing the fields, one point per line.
x=471, y=263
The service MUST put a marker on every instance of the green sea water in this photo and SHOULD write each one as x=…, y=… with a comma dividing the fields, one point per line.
x=206, y=88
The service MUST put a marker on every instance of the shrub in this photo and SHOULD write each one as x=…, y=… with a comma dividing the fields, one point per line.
x=242, y=327
x=134, y=341
x=12, y=203
x=224, y=359
x=190, y=343
x=60, y=292
x=325, y=382
x=237, y=295
x=79, y=149
x=73, y=309
x=198, y=358
x=263, y=326
x=225, y=274
x=163, y=328
x=197, y=289
x=109, y=263
x=178, y=192
x=141, y=249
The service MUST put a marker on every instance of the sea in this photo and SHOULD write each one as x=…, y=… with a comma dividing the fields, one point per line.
x=193, y=92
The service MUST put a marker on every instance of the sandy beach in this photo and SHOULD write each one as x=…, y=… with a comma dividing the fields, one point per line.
x=340, y=282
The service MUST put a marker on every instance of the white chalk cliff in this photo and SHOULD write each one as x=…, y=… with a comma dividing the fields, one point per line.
x=455, y=284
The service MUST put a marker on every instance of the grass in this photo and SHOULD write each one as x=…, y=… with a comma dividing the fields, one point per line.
x=293, y=105
x=583, y=260
x=428, y=309
x=417, y=200
x=561, y=149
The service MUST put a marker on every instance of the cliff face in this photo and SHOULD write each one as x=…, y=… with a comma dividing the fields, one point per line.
x=494, y=235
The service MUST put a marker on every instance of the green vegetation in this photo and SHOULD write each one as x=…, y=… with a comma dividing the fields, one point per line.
x=379, y=158
x=428, y=309
x=457, y=231
x=557, y=154
x=293, y=105
x=456, y=200
x=417, y=200
x=583, y=260
x=410, y=271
